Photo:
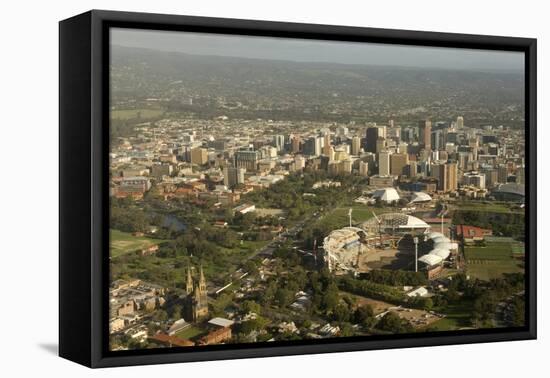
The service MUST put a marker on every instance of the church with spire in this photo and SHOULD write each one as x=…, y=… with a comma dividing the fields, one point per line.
x=196, y=301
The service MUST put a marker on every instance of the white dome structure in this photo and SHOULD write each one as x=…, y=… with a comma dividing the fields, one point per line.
x=394, y=222
x=387, y=195
x=419, y=197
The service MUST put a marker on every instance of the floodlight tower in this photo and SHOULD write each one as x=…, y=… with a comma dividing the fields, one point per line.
x=379, y=227
x=415, y=240
x=349, y=215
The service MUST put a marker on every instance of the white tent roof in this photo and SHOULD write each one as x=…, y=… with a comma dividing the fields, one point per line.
x=440, y=239
x=443, y=253
x=420, y=197
x=414, y=222
x=444, y=245
x=386, y=194
x=430, y=259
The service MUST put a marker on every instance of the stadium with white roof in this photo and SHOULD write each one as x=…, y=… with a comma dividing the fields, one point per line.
x=344, y=248
x=442, y=247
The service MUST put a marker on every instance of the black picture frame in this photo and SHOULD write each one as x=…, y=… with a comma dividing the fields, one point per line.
x=83, y=178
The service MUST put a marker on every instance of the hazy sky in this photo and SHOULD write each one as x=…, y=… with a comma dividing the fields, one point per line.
x=318, y=51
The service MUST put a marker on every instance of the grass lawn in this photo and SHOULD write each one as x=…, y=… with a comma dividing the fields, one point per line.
x=124, y=242
x=457, y=315
x=339, y=216
x=491, y=261
x=189, y=332
x=489, y=207
x=124, y=114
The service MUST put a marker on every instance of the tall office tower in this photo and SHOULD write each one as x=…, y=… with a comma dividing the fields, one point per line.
x=398, y=162
x=452, y=137
x=267, y=152
x=312, y=146
x=439, y=172
x=380, y=144
x=407, y=134
x=452, y=176
x=423, y=168
x=502, y=173
x=342, y=131
x=247, y=159
x=299, y=162
x=382, y=131
x=363, y=168
x=437, y=140
x=474, y=179
x=369, y=158
x=450, y=148
x=199, y=156
x=372, y=137
x=339, y=155
x=346, y=166
x=279, y=142
x=463, y=159
x=355, y=145
x=491, y=177
x=459, y=122
x=492, y=149
x=402, y=148
x=295, y=144
x=474, y=145
x=233, y=176
x=425, y=134
x=326, y=145
x=393, y=133
x=446, y=175
x=443, y=155
x=412, y=169
x=384, y=163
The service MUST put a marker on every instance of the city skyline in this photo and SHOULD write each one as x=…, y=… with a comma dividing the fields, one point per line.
x=257, y=201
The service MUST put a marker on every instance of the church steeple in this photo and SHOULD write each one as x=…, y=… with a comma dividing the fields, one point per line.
x=196, y=301
x=202, y=282
x=189, y=285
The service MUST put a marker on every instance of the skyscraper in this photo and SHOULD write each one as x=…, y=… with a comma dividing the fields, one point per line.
x=398, y=162
x=380, y=144
x=452, y=176
x=279, y=142
x=425, y=134
x=312, y=147
x=384, y=163
x=437, y=140
x=372, y=137
x=199, y=156
x=247, y=159
x=446, y=175
x=363, y=168
x=459, y=122
x=296, y=142
x=355, y=145
x=233, y=176
x=326, y=145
